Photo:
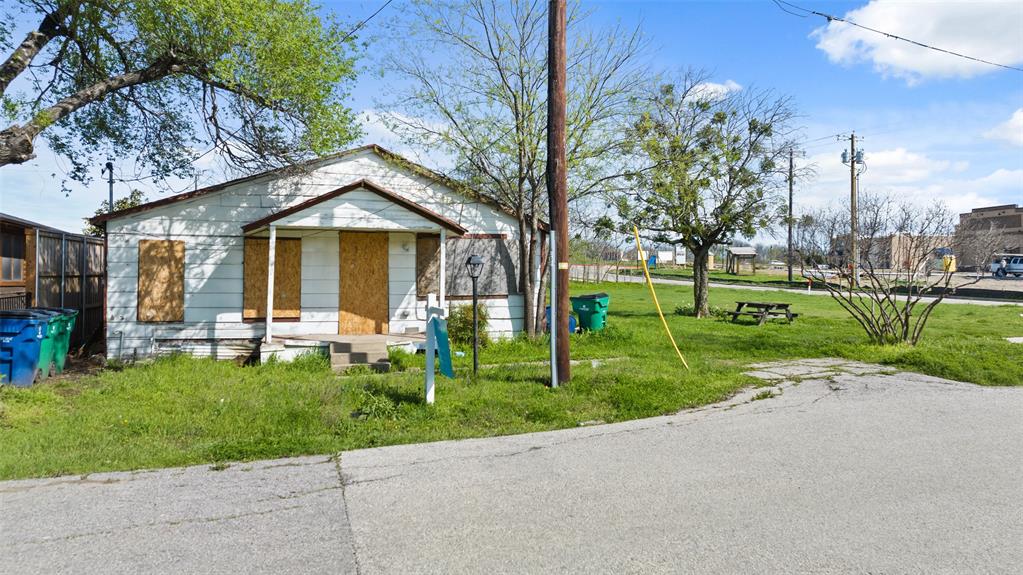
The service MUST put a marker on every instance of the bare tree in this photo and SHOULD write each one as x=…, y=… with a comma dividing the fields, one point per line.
x=905, y=257
x=485, y=104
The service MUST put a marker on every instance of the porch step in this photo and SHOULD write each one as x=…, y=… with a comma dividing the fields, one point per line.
x=346, y=354
x=382, y=366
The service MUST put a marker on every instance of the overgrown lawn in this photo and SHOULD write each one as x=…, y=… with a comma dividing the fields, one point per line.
x=181, y=410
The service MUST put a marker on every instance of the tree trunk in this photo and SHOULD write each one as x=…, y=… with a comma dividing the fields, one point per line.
x=525, y=276
x=700, y=257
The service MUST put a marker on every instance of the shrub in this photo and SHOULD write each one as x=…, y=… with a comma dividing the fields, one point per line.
x=460, y=324
x=689, y=309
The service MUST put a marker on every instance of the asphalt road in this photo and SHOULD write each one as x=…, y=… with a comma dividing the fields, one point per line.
x=850, y=470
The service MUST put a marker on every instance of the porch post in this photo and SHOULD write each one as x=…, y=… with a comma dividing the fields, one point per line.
x=270, y=284
x=443, y=269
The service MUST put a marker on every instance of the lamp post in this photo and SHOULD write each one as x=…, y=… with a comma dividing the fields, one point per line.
x=475, y=266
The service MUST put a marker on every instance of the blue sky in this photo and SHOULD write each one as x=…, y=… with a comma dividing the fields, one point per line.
x=935, y=127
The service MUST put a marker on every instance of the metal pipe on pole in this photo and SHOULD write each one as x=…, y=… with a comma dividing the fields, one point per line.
x=557, y=190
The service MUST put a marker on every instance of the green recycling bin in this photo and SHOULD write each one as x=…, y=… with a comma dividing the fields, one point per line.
x=592, y=310
x=62, y=323
x=51, y=334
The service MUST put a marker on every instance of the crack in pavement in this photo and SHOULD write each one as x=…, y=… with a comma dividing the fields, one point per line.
x=348, y=518
x=172, y=523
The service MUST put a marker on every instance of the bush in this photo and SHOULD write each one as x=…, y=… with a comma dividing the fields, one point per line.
x=689, y=309
x=460, y=324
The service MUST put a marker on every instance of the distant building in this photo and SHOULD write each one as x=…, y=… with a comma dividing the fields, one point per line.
x=1007, y=218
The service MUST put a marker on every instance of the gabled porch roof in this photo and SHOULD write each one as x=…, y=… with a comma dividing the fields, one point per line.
x=312, y=212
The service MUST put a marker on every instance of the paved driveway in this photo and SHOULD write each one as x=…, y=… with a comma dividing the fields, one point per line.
x=850, y=470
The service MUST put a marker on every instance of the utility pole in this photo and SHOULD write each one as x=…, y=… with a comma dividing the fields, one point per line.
x=557, y=190
x=109, y=171
x=853, y=157
x=791, y=152
x=853, y=228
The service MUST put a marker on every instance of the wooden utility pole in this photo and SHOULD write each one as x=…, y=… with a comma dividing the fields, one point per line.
x=853, y=228
x=557, y=185
x=791, y=152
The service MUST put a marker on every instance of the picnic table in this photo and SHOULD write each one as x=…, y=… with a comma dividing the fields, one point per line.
x=763, y=310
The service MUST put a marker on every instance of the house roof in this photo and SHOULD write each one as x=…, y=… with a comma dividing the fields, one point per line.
x=742, y=251
x=379, y=150
x=23, y=223
x=358, y=185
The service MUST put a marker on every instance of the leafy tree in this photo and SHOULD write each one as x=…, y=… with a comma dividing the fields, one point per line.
x=709, y=167
x=485, y=103
x=135, y=198
x=261, y=81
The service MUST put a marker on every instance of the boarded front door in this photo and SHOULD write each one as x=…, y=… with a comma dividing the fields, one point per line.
x=363, y=291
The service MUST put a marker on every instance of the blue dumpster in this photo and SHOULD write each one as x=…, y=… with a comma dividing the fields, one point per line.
x=21, y=336
x=571, y=321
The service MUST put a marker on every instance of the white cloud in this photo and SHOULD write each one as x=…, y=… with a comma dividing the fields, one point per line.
x=911, y=177
x=1010, y=131
x=714, y=90
x=988, y=29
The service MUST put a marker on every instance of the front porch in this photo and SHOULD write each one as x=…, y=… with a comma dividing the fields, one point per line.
x=345, y=351
x=355, y=270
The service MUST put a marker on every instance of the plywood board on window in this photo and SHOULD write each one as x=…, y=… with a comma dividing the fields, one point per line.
x=427, y=264
x=287, y=278
x=363, y=284
x=161, y=281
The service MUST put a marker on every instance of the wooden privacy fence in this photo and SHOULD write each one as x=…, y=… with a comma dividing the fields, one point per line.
x=68, y=271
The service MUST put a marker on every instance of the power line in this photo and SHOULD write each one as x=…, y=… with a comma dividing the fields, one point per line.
x=831, y=18
x=363, y=22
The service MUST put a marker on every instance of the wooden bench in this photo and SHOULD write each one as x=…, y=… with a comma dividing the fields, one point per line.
x=763, y=310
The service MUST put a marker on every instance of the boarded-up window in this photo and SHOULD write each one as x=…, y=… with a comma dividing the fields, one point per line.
x=287, y=278
x=161, y=281
x=427, y=265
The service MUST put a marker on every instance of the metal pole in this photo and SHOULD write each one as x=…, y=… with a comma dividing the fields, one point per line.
x=35, y=296
x=557, y=176
x=63, y=260
x=554, y=311
x=109, y=181
x=475, y=330
x=790, y=214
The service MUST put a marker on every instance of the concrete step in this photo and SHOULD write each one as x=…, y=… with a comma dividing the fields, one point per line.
x=355, y=357
x=358, y=347
x=381, y=366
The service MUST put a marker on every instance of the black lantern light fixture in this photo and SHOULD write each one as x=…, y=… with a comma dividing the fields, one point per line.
x=475, y=267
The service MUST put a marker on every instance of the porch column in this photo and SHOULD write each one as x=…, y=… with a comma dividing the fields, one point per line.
x=443, y=269
x=270, y=284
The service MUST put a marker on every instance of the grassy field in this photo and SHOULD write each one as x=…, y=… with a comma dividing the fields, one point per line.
x=760, y=278
x=180, y=410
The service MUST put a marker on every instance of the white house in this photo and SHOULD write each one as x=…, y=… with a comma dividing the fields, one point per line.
x=357, y=243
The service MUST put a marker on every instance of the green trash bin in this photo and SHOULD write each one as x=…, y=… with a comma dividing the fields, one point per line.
x=51, y=336
x=592, y=310
x=60, y=337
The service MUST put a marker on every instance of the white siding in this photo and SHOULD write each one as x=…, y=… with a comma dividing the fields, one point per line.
x=210, y=226
x=358, y=210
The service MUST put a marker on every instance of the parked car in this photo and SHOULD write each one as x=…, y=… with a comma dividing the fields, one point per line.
x=1004, y=264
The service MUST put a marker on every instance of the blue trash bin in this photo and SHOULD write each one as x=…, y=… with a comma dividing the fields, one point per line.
x=571, y=321
x=21, y=336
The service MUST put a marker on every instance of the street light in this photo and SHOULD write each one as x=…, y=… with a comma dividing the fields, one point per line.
x=475, y=266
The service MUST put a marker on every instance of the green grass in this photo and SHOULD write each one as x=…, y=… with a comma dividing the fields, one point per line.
x=180, y=410
x=744, y=278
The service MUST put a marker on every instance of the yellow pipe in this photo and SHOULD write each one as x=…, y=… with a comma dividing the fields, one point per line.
x=650, y=283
